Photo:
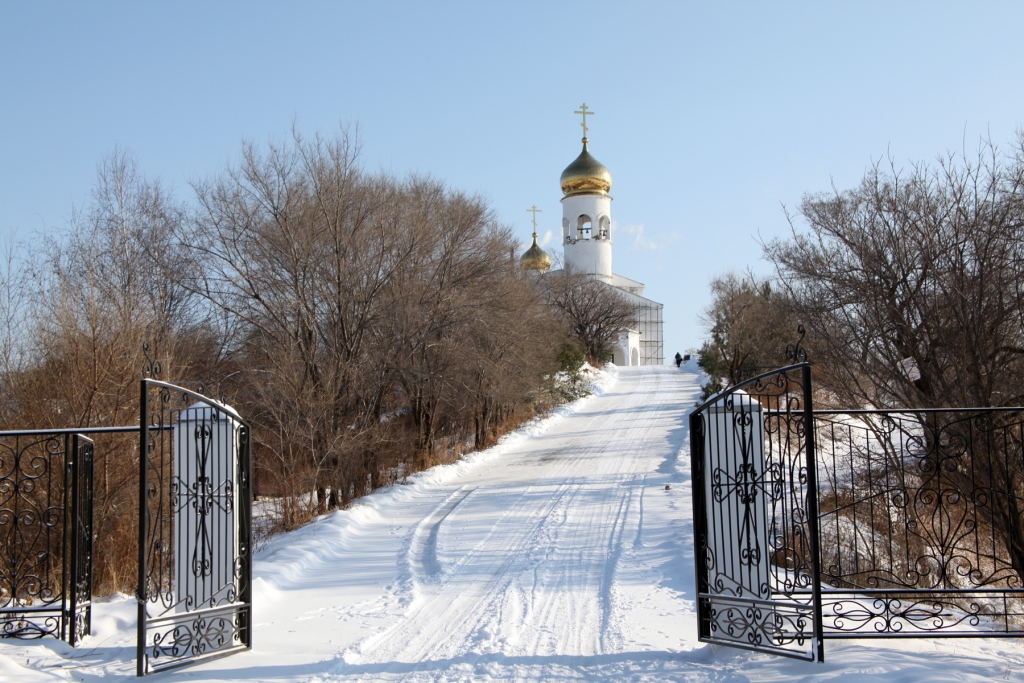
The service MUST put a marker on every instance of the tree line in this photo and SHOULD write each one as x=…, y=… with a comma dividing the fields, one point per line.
x=368, y=325
x=912, y=268
x=910, y=288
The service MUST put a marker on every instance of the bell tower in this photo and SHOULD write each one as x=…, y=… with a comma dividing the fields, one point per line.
x=587, y=212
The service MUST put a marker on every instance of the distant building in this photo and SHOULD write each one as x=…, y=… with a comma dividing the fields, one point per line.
x=587, y=246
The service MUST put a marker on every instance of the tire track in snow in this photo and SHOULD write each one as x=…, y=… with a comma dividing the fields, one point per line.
x=422, y=556
x=539, y=581
x=416, y=638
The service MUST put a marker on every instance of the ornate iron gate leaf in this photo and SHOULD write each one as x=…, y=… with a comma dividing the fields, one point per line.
x=755, y=516
x=921, y=522
x=195, y=561
x=45, y=534
x=33, y=528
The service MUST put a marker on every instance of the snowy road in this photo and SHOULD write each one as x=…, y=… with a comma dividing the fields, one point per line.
x=565, y=553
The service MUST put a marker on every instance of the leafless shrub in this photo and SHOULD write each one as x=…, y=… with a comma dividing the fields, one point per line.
x=910, y=288
x=592, y=311
x=748, y=326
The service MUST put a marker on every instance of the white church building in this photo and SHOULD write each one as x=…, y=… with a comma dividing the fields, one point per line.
x=587, y=238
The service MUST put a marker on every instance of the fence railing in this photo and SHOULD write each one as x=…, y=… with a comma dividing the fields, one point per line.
x=921, y=521
x=816, y=524
x=46, y=531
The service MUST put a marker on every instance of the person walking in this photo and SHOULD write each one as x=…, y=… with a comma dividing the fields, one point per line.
x=679, y=359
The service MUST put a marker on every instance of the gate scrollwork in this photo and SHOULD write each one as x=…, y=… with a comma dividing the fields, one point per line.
x=195, y=560
x=754, y=516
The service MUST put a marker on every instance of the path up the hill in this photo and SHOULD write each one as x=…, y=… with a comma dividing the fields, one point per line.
x=565, y=553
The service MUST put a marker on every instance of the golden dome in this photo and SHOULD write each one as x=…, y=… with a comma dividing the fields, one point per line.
x=535, y=258
x=586, y=175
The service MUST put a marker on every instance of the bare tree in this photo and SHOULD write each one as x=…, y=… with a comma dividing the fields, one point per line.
x=747, y=324
x=99, y=294
x=472, y=324
x=910, y=287
x=299, y=245
x=925, y=266
x=370, y=305
x=14, y=324
x=592, y=311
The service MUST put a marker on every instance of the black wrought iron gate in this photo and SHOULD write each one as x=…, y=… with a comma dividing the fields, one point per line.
x=858, y=523
x=46, y=534
x=195, y=524
x=195, y=502
x=755, y=516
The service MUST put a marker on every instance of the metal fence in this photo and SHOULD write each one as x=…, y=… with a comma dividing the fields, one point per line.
x=817, y=524
x=194, y=527
x=921, y=522
x=46, y=534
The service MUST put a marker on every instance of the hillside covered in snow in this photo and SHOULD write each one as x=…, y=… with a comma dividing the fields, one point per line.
x=564, y=553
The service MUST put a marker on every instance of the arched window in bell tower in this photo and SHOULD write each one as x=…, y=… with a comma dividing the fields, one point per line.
x=605, y=232
x=583, y=225
x=565, y=230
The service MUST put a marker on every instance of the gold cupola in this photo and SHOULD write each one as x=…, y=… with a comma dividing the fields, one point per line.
x=535, y=258
x=586, y=175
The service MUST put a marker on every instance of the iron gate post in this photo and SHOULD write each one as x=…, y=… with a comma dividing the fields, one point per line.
x=70, y=592
x=82, y=529
x=812, y=513
x=67, y=563
x=245, y=530
x=700, y=522
x=90, y=509
x=140, y=594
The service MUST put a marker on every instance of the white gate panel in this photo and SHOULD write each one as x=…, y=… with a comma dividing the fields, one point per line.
x=205, y=516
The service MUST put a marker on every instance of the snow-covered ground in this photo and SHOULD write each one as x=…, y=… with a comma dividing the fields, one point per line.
x=565, y=553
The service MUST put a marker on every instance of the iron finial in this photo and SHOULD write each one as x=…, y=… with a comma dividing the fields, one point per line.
x=796, y=353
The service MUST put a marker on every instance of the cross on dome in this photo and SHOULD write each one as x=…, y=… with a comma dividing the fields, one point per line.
x=586, y=175
x=535, y=258
x=534, y=210
x=583, y=110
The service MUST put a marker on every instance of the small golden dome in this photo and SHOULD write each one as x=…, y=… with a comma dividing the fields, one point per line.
x=535, y=258
x=586, y=175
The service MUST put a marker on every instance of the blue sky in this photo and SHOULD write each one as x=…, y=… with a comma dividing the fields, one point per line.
x=711, y=116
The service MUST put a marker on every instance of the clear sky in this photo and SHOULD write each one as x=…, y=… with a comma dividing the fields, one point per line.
x=711, y=116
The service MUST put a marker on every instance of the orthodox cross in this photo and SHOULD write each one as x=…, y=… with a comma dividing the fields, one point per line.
x=583, y=110
x=534, y=210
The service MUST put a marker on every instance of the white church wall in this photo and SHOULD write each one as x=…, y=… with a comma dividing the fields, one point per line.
x=647, y=338
x=625, y=284
x=591, y=256
x=626, y=348
x=650, y=325
x=588, y=251
x=595, y=206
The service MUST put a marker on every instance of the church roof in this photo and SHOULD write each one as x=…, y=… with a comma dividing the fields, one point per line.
x=535, y=258
x=586, y=175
